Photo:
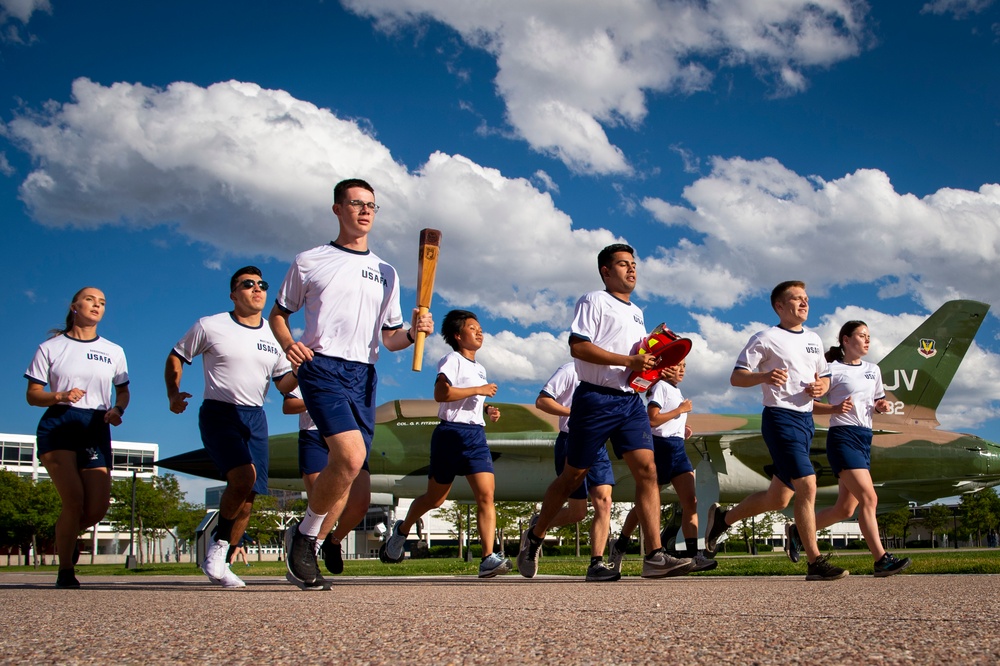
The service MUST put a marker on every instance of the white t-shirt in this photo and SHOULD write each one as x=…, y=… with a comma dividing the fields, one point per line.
x=800, y=352
x=560, y=388
x=462, y=373
x=613, y=325
x=863, y=382
x=305, y=421
x=239, y=361
x=349, y=297
x=668, y=397
x=93, y=366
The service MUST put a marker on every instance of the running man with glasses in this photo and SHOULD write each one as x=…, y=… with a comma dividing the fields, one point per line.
x=240, y=358
x=351, y=301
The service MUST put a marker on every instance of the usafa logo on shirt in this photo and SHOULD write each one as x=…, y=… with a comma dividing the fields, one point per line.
x=99, y=357
x=812, y=349
x=373, y=275
x=870, y=375
x=265, y=346
x=639, y=320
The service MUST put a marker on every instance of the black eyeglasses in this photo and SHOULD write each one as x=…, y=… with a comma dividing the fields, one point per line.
x=249, y=284
x=358, y=204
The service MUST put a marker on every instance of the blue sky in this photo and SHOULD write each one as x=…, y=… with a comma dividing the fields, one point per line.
x=150, y=149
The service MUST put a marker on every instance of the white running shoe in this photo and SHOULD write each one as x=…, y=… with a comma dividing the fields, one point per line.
x=394, y=544
x=494, y=565
x=231, y=580
x=215, y=564
x=615, y=557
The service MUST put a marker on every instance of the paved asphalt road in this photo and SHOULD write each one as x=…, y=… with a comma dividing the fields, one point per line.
x=907, y=619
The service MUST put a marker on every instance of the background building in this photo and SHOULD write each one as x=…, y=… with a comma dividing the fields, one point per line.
x=17, y=454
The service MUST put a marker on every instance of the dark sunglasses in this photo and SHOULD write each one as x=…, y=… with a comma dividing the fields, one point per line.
x=249, y=284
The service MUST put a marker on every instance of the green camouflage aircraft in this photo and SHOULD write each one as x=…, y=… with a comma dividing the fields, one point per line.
x=912, y=460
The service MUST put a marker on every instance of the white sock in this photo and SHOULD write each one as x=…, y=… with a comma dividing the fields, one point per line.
x=311, y=523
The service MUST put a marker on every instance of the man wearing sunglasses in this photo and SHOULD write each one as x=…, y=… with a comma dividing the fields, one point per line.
x=351, y=301
x=240, y=357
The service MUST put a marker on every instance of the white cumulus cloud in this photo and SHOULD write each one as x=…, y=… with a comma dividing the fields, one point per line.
x=568, y=70
x=250, y=171
x=22, y=9
x=757, y=223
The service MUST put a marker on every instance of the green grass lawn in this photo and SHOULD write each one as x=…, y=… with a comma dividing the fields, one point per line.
x=941, y=561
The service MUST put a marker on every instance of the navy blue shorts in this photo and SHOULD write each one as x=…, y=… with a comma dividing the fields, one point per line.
x=340, y=396
x=83, y=431
x=314, y=454
x=235, y=435
x=458, y=449
x=599, y=414
x=849, y=447
x=599, y=474
x=788, y=435
x=671, y=458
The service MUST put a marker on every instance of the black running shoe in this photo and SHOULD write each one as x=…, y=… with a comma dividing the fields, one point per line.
x=889, y=564
x=715, y=528
x=821, y=569
x=66, y=580
x=332, y=556
x=300, y=557
x=793, y=544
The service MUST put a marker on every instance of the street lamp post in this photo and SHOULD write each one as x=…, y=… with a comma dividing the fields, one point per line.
x=130, y=562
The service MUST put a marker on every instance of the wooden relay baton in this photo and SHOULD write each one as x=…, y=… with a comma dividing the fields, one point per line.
x=430, y=245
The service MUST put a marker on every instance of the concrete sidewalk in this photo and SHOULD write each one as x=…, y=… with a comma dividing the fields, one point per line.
x=906, y=619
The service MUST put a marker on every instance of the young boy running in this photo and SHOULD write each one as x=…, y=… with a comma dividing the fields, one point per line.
x=787, y=362
x=668, y=409
x=556, y=398
x=458, y=445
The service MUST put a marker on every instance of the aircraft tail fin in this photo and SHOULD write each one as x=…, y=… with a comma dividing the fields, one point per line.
x=918, y=371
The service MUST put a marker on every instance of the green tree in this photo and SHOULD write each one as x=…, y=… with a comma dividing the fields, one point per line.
x=895, y=524
x=510, y=517
x=41, y=515
x=980, y=513
x=454, y=513
x=936, y=519
x=186, y=522
x=157, y=503
x=15, y=498
x=269, y=518
x=751, y=530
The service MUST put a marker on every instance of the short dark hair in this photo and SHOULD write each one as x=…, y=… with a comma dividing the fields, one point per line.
x=452, y=325
x=604, y=256
x=246, y=270
x=340, y=189
x=780, y=290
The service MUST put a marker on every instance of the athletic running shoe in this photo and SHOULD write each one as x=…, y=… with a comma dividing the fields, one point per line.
x=215, y=564
x=889, y=564
x=332, y=556
x=793, y=544
x=661, y=565
x=231, y=580
x=320, y=584
x=821, y=569
x=702, y=563
x=527, y=557
x=714, y=528
x=494, y=565
x=66, y=580
x=392, y=551
x=616, y=556
x=300, y=558
x=599, y=572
